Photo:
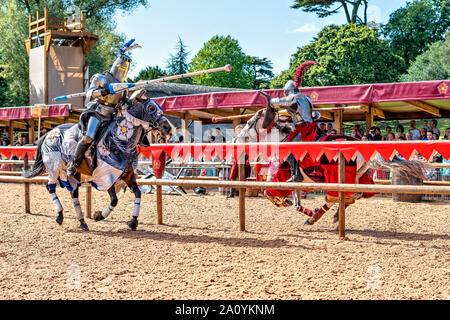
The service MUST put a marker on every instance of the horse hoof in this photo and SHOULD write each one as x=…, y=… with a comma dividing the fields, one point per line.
x=309, y=222
x=133, y=224
x=83, y=225
x=98, y=216
x=59, y=219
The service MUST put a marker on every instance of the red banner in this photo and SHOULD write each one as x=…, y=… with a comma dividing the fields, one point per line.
x=349, y=149
x=367, y=149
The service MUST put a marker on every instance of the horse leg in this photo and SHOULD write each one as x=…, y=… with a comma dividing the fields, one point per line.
x=51, y=187
x=100, y=215
x=132, y=184
x=318, y=213
x=297, y=194
x=78, y=211
x=336, y=215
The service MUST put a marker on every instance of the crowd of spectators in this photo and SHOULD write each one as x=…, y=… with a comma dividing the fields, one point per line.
x=426, y=132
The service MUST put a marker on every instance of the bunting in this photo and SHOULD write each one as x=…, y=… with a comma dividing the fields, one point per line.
x=264, y=151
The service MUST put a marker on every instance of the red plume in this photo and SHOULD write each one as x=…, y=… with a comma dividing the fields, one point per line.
x=301, y=70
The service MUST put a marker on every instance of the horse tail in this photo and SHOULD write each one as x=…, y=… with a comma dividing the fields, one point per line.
x=39, y=166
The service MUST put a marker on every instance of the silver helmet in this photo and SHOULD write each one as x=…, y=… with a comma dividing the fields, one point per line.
x=289, y=88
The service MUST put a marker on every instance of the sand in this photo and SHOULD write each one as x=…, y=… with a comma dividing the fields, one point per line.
x=394, y=250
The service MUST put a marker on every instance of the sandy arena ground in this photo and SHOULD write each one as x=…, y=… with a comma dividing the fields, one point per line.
x=394, y=251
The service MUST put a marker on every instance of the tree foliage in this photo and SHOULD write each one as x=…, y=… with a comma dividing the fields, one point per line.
x=217, y=52
x=260, y=72
x=14, y=29
x=248, y=71
x=412, y=28
x=433, y=64
x=348, y=54
x=325, y=8
x=177, y=63
x=149, y=73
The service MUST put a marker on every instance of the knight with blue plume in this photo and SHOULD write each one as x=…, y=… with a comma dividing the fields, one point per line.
x=102, y=104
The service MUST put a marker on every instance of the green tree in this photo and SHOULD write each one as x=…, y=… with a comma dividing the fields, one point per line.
x=325, y=8
x=412, y=28
x=260, y=71
x=177, y=63
x=14, y=29
x=348, y=54
x=149, y=73
x=217, y=52
x=433, y=64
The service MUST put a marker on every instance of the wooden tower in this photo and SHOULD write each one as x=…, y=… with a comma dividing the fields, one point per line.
x=57, y=49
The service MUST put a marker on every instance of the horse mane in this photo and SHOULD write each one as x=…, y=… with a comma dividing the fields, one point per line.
x=300, y=71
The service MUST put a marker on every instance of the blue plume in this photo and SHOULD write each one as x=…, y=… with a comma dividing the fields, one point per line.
x=126, y=45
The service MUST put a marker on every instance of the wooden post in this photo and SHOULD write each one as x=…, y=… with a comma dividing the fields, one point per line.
x=31, y=132
x=184, y=128
x=369, y=119
x=159, y=204
x=338, y=123
x=341, y=178
x=89, y=202
x=236, y=122
x=27, y=186
x=241, y=173
x=11, y=132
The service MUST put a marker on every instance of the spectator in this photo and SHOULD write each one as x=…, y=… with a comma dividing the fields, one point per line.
x=323, y=127
x=333, y=131
x=430, y=135
x=415, y=133
x=388, y=130
x=356, y=131
x=408, y=136
x=447, y=134
x=219, y=136
x=212, y=139
x=377, y=135
x=435, y=136
x=329, y=127
x=423, y=134
x=5, y=135
x=399, y=132
x=433, y=127
x=390, y=137
x=425, y=125
x=43, y=131
x=208, y=135
x=365, y=138
x=371, y=133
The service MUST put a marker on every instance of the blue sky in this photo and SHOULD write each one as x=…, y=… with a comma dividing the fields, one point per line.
x=264, y=28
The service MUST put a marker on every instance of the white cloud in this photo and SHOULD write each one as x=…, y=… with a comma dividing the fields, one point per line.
x=309, y=27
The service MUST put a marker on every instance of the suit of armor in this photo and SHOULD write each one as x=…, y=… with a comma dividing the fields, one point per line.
x=102, y=106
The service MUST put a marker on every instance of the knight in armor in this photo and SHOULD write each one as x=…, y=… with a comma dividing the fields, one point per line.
x=299, y=107
x=102, y=103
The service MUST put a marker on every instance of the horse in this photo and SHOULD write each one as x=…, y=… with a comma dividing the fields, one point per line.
x=307, y=170
x=109, y=163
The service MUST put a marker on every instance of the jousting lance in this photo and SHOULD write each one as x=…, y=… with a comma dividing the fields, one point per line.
x=119, y=87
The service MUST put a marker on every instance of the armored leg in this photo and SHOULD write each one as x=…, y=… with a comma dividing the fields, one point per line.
x=83, y=145
x=296, y=175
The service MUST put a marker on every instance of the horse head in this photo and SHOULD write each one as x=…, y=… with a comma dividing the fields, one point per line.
x=142, y=107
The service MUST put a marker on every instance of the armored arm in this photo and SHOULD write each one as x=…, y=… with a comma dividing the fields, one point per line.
x=285, y=102
x=98, y=87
